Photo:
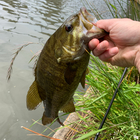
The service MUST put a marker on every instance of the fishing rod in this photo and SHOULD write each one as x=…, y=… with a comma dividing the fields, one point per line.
x=111, y=102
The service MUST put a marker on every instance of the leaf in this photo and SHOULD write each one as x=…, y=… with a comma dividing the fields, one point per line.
x=113, y=6
x=91, y=133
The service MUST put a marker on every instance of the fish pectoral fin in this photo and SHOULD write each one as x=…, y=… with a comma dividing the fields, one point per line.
x=84, y=77
x=69, y=107
x=70, y=74
x=33, y=99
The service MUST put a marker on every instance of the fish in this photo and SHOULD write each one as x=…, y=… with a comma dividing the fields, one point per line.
x=62, y=65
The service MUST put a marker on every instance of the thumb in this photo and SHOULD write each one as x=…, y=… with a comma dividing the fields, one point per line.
x=107, y=24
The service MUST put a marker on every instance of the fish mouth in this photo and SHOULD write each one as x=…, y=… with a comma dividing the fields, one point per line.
x=90, y=31
x=85, y=31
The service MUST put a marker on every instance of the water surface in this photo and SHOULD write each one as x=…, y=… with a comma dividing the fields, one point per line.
x=21, y=22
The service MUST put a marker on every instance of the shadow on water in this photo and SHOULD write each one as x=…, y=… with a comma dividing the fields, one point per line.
x=23, y=21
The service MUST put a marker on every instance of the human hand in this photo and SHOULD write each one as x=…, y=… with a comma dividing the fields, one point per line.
x=122, y=46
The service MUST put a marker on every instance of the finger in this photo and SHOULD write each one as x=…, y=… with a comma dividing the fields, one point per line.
x=102, y=47
x=93, y=43
x=107, y=55
x=107, y=24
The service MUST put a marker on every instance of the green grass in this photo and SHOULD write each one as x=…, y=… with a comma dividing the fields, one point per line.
x=124, y=115
x=123, y=121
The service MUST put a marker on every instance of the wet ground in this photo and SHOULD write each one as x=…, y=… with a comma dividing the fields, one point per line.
x=21, y=22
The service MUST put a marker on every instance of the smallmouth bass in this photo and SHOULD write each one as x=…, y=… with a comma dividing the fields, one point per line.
x=62, y=66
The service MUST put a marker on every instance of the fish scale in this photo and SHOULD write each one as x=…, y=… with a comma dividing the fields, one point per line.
x=62, y=65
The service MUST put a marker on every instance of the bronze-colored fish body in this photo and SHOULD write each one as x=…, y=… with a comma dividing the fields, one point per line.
x=58, y=81
x=62, y=66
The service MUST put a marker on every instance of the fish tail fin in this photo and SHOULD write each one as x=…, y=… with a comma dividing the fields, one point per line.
x=46, y=120
x=33, y=99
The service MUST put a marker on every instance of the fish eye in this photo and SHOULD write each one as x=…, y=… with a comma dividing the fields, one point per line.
x=68, y=28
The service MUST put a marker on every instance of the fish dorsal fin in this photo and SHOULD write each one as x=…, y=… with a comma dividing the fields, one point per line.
x=33, y=99
x=70, y=74
x=69, y=107
x=83, y=77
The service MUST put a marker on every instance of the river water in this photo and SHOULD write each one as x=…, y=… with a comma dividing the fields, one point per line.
x=21, y=22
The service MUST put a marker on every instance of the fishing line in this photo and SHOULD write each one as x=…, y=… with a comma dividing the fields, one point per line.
x=105, y=116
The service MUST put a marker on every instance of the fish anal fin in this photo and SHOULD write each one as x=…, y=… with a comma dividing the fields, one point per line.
x=84, y=77
x=69, y=107
x=33, y=99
